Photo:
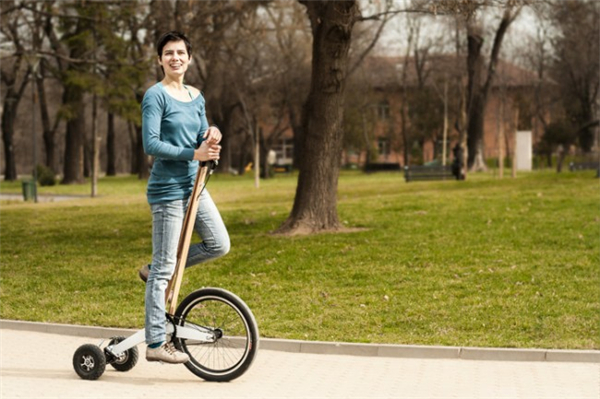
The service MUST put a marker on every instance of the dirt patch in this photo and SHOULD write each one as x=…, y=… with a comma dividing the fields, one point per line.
x=305, y=230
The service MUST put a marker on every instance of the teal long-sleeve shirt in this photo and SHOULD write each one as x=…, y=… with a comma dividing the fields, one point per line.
x=171, y=131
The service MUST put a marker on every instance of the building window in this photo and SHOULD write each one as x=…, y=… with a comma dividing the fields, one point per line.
x=383, y=110
x=383, y=146
x=285, y=151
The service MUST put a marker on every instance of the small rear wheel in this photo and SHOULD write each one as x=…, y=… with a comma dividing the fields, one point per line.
x=124, y=361
x=89, y=362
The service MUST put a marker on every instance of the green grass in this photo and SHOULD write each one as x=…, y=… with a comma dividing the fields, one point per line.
x=485, y=262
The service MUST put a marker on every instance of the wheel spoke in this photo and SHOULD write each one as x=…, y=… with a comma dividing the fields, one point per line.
x=234, y=330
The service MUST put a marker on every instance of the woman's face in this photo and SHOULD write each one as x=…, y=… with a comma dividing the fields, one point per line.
x=175, y=59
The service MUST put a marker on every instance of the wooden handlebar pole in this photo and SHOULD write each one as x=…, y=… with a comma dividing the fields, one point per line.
x=184, y=240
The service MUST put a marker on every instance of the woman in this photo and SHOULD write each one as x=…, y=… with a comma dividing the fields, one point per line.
x=175, y=131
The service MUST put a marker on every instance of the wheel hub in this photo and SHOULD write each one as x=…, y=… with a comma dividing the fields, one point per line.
x=88, y=363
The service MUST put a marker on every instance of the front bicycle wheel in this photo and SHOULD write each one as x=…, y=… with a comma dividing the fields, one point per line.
x=234, y=329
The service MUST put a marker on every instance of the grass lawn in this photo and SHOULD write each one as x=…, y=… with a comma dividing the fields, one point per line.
x=484, y=262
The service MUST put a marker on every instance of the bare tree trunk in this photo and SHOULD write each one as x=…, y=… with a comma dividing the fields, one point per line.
x=142, y=158
x=404, y=110
x=111, y=156
x=478, y=92
x=587, y=135
x=75, y=137
x=562, y=153
x=15, y=82
x=49, y=131
x=315, y=203
x=475, y=102
x=461, y=111
x=225, y=160
x=87, y=156
x=245, y=155
x=95, y=168
x=9, y=116
x=74, y=101
x=475, y=131
x=133, y=161
x=8, y=127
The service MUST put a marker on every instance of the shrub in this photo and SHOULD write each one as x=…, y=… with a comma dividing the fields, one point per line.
x=45, y=176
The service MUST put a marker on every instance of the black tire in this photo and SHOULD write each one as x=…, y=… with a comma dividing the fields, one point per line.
x=126, y=360
x=89, y=362
x=233, y=323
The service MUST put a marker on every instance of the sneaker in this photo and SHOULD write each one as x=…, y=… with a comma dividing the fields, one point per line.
x=166, y=353
x=144, y=272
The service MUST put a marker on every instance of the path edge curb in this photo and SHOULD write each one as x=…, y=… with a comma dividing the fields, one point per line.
x=342, y=348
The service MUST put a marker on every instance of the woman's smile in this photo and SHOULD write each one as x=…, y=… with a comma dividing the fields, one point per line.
x=175, y=58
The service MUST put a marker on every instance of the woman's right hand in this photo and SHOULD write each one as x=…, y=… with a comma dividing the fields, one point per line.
x=207, y=152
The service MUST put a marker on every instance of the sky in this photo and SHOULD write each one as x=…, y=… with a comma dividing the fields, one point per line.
x=434, y=31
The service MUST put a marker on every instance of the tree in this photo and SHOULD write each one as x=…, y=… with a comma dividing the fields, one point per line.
x=480, y=76
x=15, y=75
x=44, y=22
x=359, y=116
x=316, y=193
x=286, y=60
x=534, y=52
x=223, y=34
x=76, y=41
x=42, y=29
x=479, y=84
x=558, y=136
x=123, y=72
x=424, y=81
x=106, y=36
x=321, y=143
x=577, y=63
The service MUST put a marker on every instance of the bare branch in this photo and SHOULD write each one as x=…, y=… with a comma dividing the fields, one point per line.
x=391, y=13
x=369, y=47
x=507, y=19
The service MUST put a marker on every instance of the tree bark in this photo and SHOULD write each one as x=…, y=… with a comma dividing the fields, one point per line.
x=9, y=112
x=48, y=130
x=475, y=100
x=75, y=136
x=111, y=153
x=133, y=161
x=587, y=135
x=315, y=203
x=142, y=158
x=73, y=101
x=9, y=116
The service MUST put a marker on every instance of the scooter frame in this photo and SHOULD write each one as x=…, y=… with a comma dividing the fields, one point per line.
x=117, y=350
x=172, y=291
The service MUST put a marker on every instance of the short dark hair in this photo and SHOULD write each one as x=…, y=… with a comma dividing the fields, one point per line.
x=173, y=36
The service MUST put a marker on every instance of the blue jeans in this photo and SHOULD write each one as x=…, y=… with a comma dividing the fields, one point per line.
x=167, y=221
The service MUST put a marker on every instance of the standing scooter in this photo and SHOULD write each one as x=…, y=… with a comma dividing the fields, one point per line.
x=213, y=326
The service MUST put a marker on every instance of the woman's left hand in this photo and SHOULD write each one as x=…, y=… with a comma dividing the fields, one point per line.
x=213, y=135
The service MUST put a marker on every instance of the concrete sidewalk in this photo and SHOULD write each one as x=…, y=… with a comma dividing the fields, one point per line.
x=343, y=348
x=38, y=365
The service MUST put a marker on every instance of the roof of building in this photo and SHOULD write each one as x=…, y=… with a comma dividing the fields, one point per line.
x=387, y=72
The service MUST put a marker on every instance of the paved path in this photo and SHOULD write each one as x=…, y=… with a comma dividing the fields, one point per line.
x=38, y=365
x=41, y=197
